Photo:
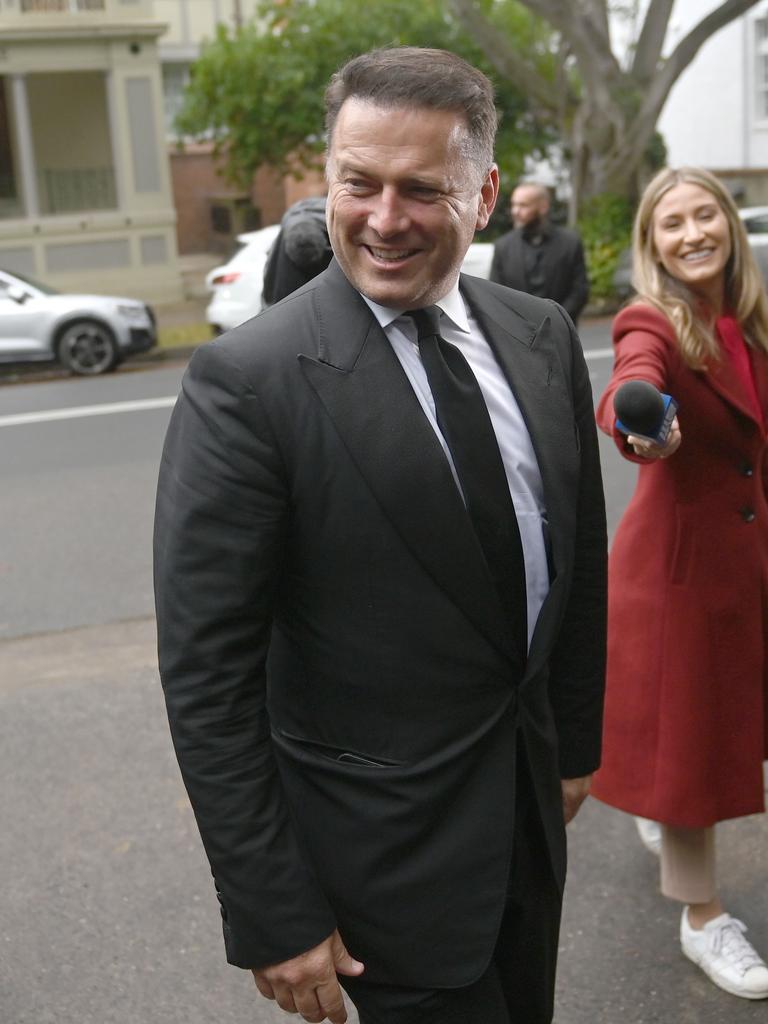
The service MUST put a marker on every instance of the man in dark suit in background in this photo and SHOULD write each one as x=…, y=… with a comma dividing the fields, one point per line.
x=539, y=258
x=380, y=575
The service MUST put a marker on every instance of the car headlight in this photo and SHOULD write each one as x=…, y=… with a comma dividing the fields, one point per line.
x=132, y=312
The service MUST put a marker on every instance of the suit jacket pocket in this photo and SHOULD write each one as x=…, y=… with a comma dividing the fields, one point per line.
x=339, y=755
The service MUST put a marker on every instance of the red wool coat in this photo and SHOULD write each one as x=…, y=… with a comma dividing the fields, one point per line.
x=685, y=719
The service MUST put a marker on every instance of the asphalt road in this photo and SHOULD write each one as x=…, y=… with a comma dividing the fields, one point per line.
x=78, y=500
x=107, y=914
x=77, y=493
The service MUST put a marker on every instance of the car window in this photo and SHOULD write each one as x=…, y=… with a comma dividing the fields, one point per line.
x=757, y=225
x=44, y=288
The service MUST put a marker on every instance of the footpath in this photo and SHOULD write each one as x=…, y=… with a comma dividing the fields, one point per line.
x=181, y=326
x=108, y=918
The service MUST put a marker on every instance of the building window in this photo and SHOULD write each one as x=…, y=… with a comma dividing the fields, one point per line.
x=761, y=68
x=60, y=6
x=175, y=81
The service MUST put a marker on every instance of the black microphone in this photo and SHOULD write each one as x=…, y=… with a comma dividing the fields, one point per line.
x=643, y=411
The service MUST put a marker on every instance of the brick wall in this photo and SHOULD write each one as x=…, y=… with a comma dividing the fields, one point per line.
x=196, y=182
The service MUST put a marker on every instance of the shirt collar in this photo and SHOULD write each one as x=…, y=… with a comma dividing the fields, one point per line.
x=451, y=304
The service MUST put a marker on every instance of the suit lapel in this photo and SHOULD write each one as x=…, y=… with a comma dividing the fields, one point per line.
x=365, y=391
x=529, y=359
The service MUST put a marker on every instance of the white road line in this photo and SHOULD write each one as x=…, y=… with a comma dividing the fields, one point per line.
x=598, y=353
x=80, y=411
x=77, y=412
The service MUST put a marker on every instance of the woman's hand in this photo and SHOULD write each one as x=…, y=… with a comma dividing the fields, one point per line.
x=651, y=450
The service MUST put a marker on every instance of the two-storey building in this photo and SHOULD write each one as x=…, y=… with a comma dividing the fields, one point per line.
x=85, y=194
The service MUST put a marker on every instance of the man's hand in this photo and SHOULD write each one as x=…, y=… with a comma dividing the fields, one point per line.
x=575, y=792
x=308, y=985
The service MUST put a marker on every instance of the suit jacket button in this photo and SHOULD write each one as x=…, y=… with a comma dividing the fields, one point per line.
x=746, y=469
x=747, y=514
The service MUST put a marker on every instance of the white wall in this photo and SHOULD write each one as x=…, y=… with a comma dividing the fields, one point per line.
x=709, y=117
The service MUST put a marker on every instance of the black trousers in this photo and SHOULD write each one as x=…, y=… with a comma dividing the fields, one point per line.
x=518, y=986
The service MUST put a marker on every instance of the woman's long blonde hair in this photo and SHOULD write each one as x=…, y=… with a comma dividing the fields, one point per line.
x=745, y=296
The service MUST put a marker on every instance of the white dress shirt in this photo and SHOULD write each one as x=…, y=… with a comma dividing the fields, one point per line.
x=460, y=328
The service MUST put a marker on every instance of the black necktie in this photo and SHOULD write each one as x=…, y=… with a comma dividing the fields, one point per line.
x=462, y=416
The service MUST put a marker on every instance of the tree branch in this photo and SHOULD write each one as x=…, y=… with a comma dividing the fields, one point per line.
x=686, y=50
x=651, y=40
x=597, y=12
x=503, y=57
x=590, y=46
x=559, y=14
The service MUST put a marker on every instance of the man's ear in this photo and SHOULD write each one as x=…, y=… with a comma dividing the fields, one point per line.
x=489, y=193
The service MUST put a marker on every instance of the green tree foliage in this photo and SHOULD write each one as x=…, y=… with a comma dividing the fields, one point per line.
x=259, y=91
x=605, y=226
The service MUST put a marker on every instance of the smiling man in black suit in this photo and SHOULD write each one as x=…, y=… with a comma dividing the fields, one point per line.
x=380, y=576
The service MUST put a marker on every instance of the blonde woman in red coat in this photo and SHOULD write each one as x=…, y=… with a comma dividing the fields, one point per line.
x=685, y=721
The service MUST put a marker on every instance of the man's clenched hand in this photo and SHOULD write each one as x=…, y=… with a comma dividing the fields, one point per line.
x=574, y=793
x=308, y=985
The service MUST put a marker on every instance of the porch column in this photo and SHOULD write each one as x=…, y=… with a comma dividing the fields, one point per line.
x=25, y=144
x=118, y=156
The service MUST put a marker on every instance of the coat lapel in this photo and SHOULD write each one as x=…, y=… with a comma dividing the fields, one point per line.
x=365, y=391
x=723, y=378
x=760, y=366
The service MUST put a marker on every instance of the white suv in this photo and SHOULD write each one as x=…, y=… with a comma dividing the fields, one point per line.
x=88, y=334
x=237, y=285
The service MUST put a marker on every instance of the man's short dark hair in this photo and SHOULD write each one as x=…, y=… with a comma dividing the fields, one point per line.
x=411, y=76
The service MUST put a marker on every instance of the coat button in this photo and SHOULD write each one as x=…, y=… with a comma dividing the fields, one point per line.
x=747, y=514
x=746, y=469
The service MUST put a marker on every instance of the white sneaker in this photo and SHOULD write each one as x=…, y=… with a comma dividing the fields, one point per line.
x=650, y=834
x=722, y=952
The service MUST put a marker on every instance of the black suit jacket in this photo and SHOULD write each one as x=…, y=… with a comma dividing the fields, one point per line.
x=342, y=688
x=562, y=267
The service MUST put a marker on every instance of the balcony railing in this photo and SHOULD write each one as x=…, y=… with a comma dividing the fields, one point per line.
x=75, y=191
x=61, y=6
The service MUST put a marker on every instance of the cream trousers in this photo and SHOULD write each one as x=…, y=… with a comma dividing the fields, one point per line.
x=688, y=864
x=688, y=861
